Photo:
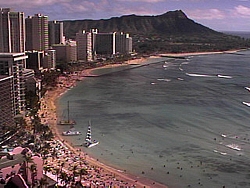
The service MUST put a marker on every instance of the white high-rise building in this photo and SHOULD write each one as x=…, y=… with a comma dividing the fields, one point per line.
x=37, y=34
x=6, y=103
x=84, y=46
x=12, y=31
x=13, y=64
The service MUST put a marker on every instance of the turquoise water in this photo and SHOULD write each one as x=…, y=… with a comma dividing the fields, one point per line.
x=173, y=121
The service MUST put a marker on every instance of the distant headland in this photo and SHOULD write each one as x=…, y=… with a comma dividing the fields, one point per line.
x=171, y=32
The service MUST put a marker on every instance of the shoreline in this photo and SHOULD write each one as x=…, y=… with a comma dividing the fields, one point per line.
x=51, y=96
x=49, y=101
x=186, y=54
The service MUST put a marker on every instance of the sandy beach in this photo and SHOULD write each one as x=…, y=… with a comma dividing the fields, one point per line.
x=113, y=177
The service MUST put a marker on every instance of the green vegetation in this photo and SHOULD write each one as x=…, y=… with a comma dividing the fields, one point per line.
x=189, y=43
x=169, y=32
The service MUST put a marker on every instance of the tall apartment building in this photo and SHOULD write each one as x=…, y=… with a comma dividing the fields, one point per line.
x=129, y=44
x=12, y=31
x=93, y=32
x=66, y=52
x=37, y=32
x=105, y=43
x=56, y=33
x=113, y=43
x=12, y=64
x=84, y=46
x=6, y=103
x=123, y=43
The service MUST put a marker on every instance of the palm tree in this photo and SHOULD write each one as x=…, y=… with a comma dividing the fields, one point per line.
x=33, y=170
x=57, y=170
x=46, y=169
x=64, y=177
x=27, y=159
x=74, y=169
x=83, y=171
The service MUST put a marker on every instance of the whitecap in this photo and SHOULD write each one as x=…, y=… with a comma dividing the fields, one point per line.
x=199, y=75
x=184, y=63
x=164, y=79
x=222, y=153
x=224, y=76
x=164, y=66
x=234, y=147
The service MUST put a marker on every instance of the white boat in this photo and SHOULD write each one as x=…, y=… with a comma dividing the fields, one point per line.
x=71, y=132
x=88, y=142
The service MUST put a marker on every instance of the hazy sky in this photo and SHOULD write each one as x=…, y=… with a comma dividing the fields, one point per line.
x=220, y=15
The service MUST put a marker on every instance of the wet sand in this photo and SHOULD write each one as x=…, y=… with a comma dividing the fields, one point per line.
x=49, y=116
x=49, y=111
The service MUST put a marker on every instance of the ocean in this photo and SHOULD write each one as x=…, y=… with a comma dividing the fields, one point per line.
x=242, y=34
x=180, y=122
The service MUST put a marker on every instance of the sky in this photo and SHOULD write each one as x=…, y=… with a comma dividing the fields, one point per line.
x=219, y=15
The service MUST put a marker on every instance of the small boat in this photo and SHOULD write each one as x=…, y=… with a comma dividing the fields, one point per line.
x=71, y=132
x=88, y=142
x=68, y=121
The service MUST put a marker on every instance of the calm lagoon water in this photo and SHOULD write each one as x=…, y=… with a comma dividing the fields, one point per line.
x=182, y=122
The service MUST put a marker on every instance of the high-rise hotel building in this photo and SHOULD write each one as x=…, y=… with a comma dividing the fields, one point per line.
x=56, y=33
x=84, y=46
x=12, y=57
x=113, y=43
x=12, y=64
x=37, y=32
x=105, y=43
x=6, y=103
x=12, y=31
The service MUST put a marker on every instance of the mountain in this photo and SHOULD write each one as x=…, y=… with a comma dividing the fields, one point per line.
x=171, y=31
x=173, y=22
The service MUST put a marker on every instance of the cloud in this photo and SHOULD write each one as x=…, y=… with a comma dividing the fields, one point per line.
x=209, y=14
x=242, y=11
x=34, y=3
x=145, y=1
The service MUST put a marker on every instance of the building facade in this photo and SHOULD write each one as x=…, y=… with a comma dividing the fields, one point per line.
x=105, y=43
x=123, y=43
x=113, y=43
x=12, y=31
x=12, y=64
x=37, y=32
x=32, y=84
x=56, y=33
x=84, y=46
x=50, y=59
x=6, y=103
x=66, y=52
x=35, y=60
